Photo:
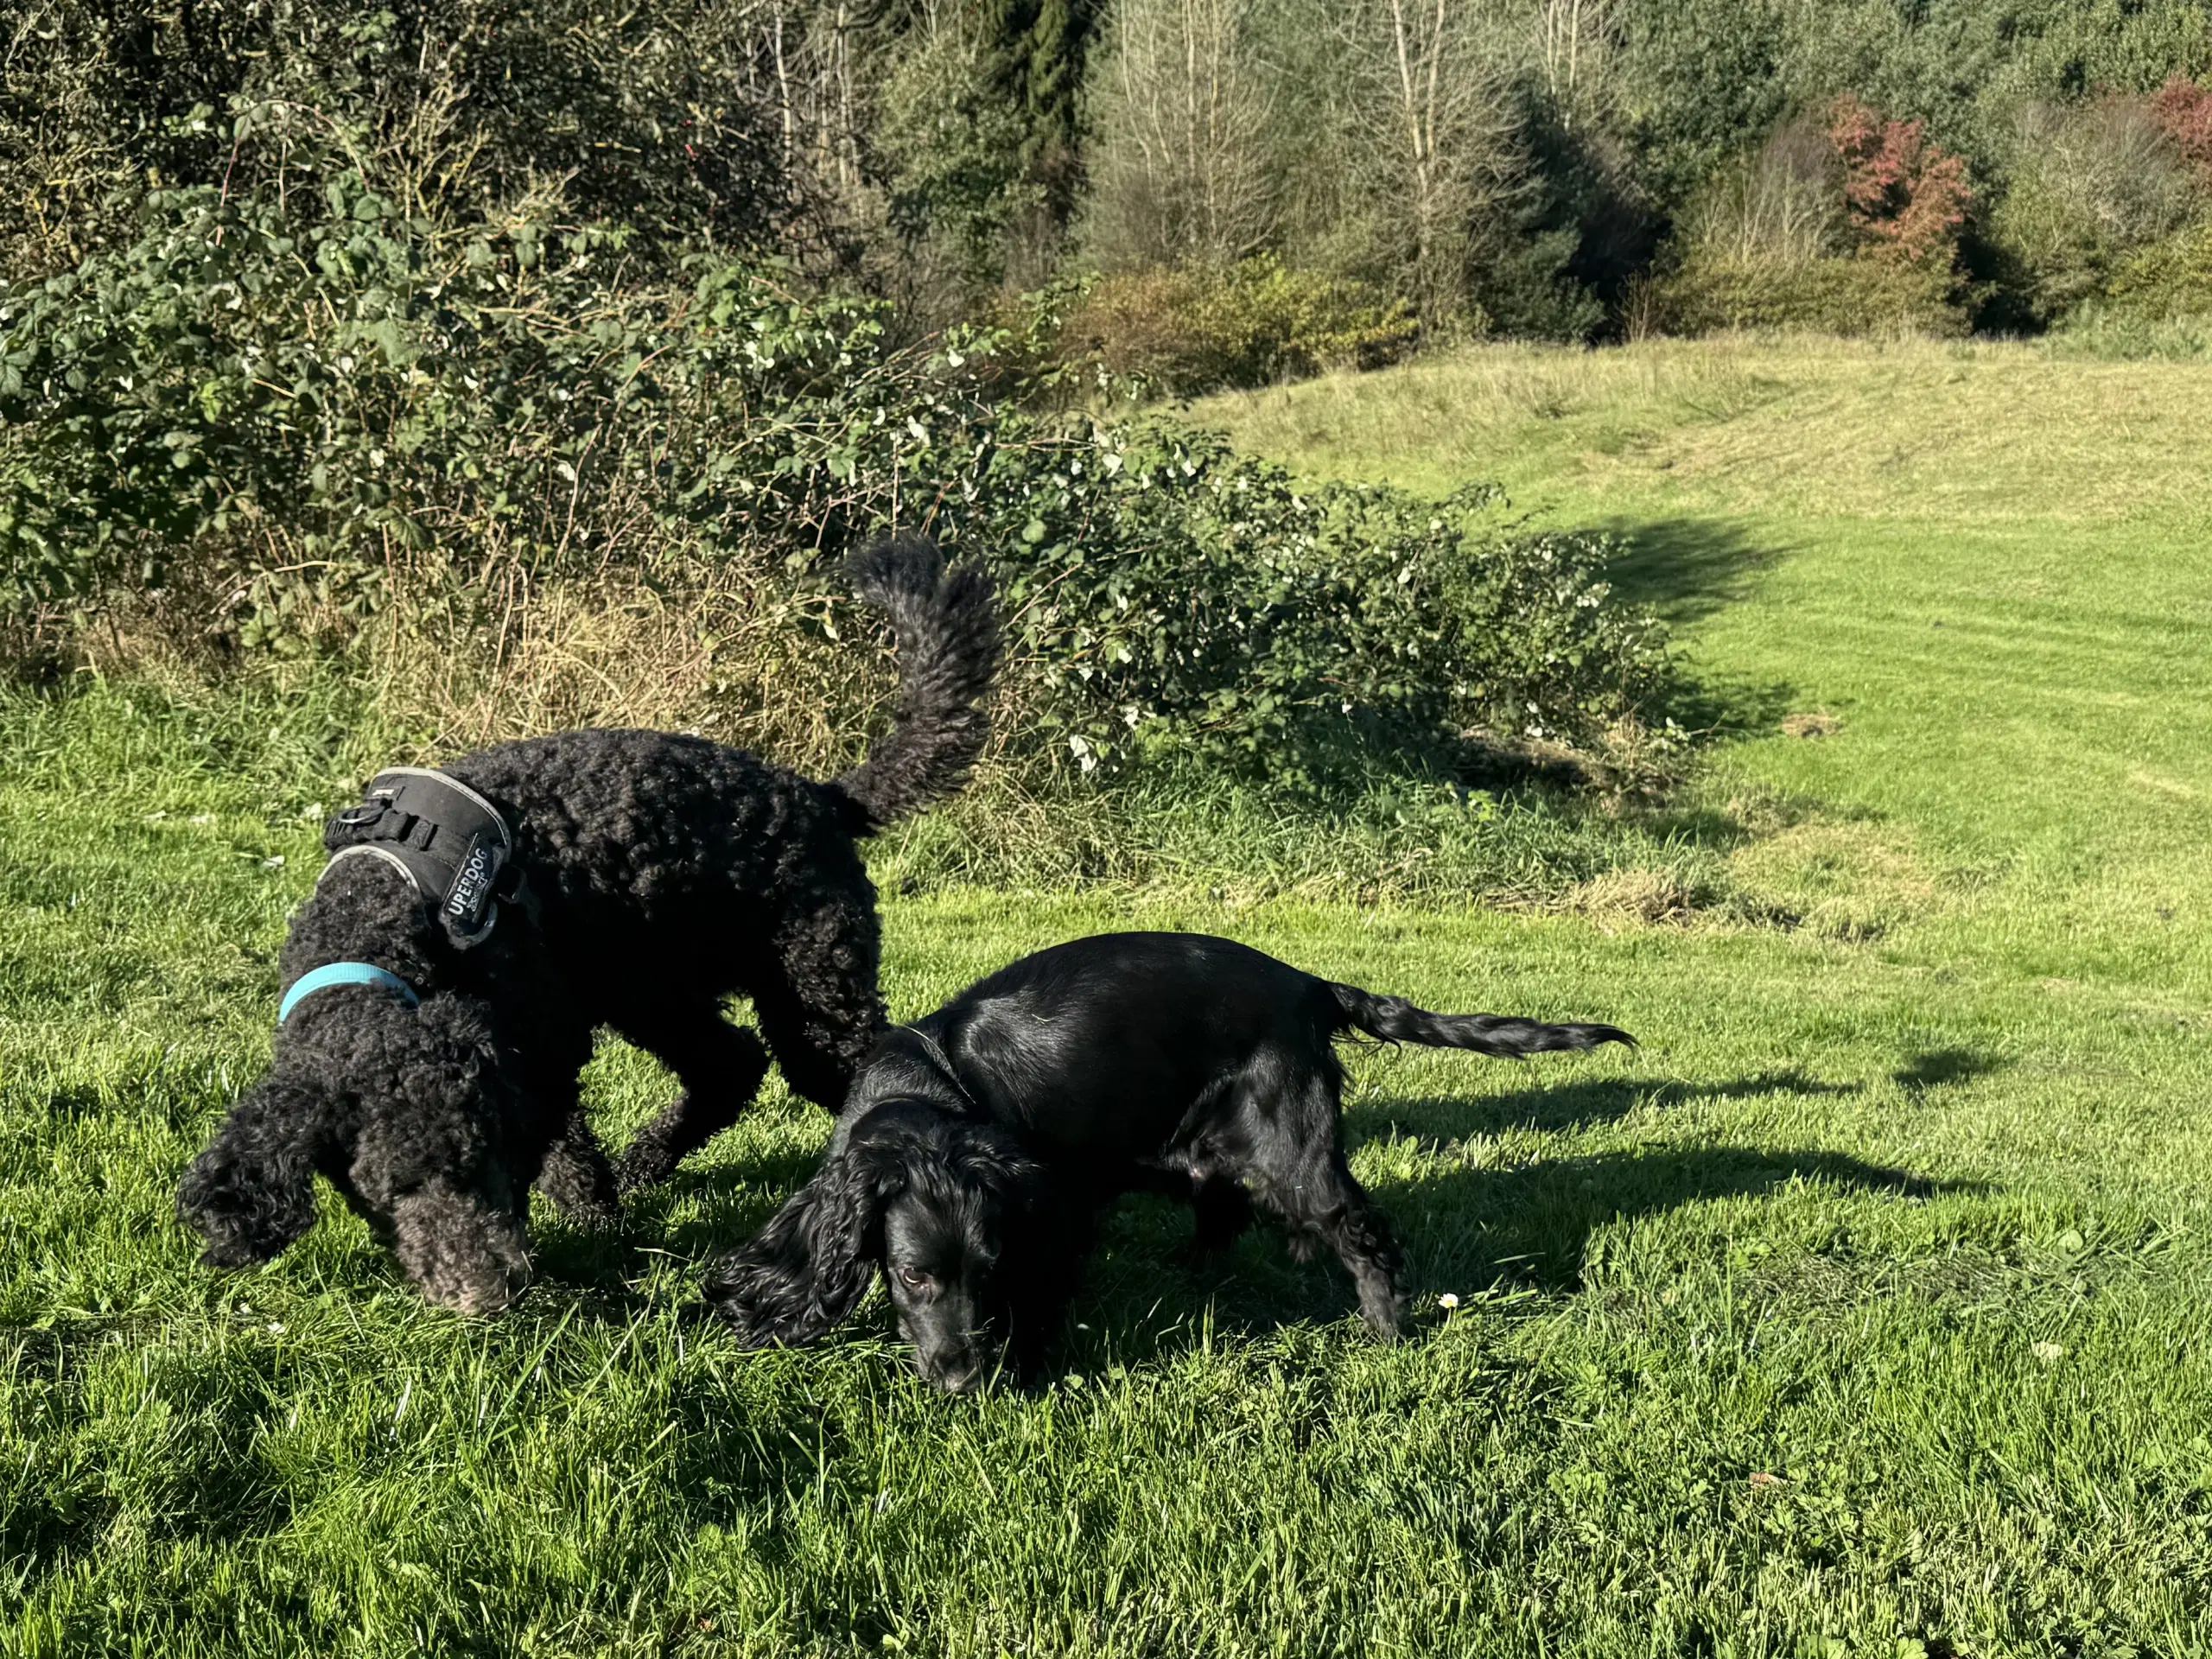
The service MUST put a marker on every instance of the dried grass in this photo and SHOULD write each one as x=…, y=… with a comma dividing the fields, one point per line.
x=1636, y=897
x=738, y=663
x=1817, y=724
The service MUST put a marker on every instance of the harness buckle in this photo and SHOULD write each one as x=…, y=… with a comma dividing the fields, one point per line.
x=368, y=813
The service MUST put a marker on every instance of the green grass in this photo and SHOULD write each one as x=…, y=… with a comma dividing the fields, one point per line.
x=1863, y=1310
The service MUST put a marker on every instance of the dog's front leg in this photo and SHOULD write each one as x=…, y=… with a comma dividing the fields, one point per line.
x=573, y=1171
x=1041, y=1269
x=251, y=1192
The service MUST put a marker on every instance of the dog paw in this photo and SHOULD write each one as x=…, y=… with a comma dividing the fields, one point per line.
x=230, y=1254
x=597, y=1211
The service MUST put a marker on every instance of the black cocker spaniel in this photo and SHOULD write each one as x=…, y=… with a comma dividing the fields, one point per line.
x=979, y=1145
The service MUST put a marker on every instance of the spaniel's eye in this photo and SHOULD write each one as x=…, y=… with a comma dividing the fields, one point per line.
x=913, y=1278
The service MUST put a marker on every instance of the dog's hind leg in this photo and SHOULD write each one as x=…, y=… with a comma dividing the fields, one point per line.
x=1297, y=1171
x=1369, y=1248
x=719, y=1065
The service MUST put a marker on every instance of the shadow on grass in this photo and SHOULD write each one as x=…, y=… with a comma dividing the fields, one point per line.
x=1434, y=1121
x=1716, y=705
x=1933, y=1068
x=1685, y=568
x=601, y=1262
x=1532, y=1225
x=1463, y=1230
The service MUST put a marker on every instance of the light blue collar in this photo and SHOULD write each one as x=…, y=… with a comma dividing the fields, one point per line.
x=343, y=973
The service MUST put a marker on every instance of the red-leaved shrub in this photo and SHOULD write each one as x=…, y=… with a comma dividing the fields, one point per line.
x=2183, y=111
x=1905, y=196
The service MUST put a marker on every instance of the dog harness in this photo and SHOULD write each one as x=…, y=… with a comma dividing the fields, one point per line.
x=343, y=973
x=450, y=843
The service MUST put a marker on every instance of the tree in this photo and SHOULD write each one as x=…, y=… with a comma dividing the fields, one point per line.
x=947, y=149
x=1578, y=42
x=1430, y=129
x=1180, y=112
x=1039, y=47
x=2183, y=110
x=1905, y=196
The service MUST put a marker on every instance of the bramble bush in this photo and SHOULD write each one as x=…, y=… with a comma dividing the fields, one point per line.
x=1174, y=597
x=650, y=116
x=2170, y=280
x=260, y=394
x=278, y=413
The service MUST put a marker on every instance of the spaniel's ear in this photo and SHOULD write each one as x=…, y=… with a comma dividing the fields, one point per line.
x=251, y=1192
x=889, y=1140
x=810, y=1264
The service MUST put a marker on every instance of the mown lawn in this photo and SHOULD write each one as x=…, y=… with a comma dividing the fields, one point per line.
x=1865, y=1310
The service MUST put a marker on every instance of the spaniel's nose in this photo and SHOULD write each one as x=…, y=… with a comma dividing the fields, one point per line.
x=954, y=1376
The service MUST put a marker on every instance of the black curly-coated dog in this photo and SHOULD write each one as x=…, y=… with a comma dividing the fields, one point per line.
x=429, y=1072
x=979, y=1145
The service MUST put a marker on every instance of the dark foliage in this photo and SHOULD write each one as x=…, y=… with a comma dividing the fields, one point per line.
x=651, y=117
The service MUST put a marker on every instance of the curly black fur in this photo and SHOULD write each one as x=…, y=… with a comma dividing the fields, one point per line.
x=979, y=1146
x=664, y=873
x=951, y=637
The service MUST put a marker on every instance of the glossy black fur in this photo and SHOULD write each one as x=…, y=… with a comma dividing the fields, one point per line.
x=979, y=1146
x=664, y=872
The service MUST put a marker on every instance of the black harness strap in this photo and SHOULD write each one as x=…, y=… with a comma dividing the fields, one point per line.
x=450, y=843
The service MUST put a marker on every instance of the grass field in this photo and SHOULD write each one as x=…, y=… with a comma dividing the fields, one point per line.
x=1865, y=1310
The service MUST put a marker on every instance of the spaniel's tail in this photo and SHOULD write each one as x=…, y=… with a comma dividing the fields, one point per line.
x=1396, y=1020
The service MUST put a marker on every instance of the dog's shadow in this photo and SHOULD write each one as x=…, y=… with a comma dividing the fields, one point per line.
x=1465, y=1227
x=1462, y=1230
x=1146, y=1293
x=1435, y=1120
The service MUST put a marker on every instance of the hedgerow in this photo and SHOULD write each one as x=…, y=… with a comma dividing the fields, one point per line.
x=1192, y=330
x=276, y=415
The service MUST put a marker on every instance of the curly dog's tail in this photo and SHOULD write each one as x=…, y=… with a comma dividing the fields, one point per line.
x=1395, y=1019
x=948, y=649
